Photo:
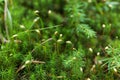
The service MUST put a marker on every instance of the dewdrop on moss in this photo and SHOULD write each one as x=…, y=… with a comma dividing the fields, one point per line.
x=98, y=53
x=60, y=77
x=22, y=26
x=113, y=62
x=56, y=32
x=61, y=35
x=88, y=79
x=36, y=19
x=93, y=67
x=81, y=69
x=37, y=31
x=73, y=48
x=110, y=6
x=11, y=54
x=74, y=58
x=22, y=67
x=27, y=62
x=68, y=42
x=116, y=37
x=14, y=35
x=99, y=62
x=110, y=24
x=59, y=40
x=106, y=47
x=36, y=11
x=49, y=11
x=103, y=25
x=89, y=1
x=71, y=16
x=115, y=69
x=90, y=49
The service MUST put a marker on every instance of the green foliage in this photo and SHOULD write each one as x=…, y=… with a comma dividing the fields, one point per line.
x=59, y=40
x=77, y=18
x=113, y=52
x=75, y=64
x=84, y=28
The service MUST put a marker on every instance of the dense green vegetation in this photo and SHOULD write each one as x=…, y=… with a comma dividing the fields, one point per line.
x=59, y=40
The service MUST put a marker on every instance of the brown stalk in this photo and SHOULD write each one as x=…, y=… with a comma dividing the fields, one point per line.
x=5, y=18
x=32, y=61
x=42, y=43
